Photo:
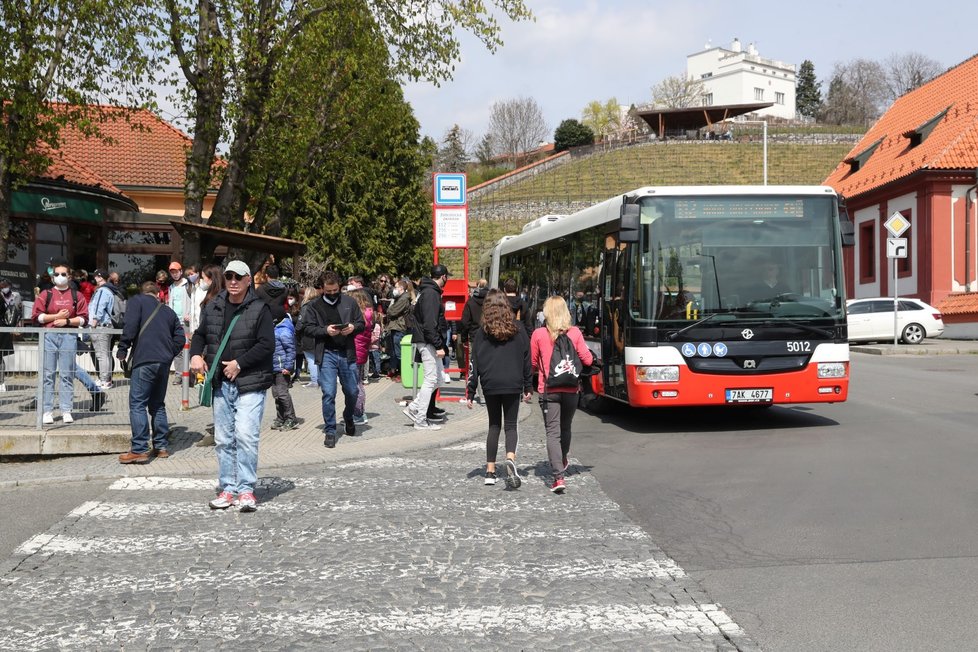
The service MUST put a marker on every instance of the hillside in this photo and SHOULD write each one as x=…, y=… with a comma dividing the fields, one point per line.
x=587, y=180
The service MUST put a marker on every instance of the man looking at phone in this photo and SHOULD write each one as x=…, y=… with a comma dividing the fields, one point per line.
x=333, y=322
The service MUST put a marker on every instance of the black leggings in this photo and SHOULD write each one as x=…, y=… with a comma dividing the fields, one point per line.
x=502, y=408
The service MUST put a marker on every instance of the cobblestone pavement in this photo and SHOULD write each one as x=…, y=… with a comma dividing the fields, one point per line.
x=403, y=551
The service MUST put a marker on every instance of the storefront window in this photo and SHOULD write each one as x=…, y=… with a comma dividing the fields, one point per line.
x=134, y=269
x=139, y=238
x=52, y=232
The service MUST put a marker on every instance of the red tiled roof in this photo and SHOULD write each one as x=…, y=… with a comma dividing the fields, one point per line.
x=143, y=150
x=959, y=304
x=63, y=168
x=952, y=145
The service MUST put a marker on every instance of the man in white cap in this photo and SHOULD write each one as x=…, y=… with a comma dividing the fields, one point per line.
x=240, y=382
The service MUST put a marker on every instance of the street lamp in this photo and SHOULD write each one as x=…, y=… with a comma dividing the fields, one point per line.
x=764, y=123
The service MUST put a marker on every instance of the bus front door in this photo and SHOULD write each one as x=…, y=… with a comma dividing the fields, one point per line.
x=614, y=313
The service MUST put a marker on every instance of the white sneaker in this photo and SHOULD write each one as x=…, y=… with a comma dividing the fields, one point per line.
x=3, y=387
x=48, y=418
x=67, y=418
x=424, y=424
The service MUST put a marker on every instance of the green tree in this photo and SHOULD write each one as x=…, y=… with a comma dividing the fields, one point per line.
x=808, y=90
x=340, y=165
x=452, y=156
x=604, y=119
x=485, y=150
x=61, y=61
x=244, y=42
x=572, y=133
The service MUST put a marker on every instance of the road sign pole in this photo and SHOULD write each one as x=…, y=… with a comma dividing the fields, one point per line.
x=896, y=321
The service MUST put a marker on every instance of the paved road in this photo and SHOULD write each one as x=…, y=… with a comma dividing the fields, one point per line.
x=846, y=527
x=393, y=547
x=822, y=528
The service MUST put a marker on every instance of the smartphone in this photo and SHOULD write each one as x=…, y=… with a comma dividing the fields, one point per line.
x=340, y=327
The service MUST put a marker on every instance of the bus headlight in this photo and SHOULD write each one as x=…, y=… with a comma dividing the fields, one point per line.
x=657, y=374
x=831, y=369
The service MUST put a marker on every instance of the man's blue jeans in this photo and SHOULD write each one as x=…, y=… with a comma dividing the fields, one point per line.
x=59, y=360
x=147, y=392
x=237, y=424
x=336, y=365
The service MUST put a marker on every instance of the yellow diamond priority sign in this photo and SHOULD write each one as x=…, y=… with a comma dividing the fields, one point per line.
x=897, y=225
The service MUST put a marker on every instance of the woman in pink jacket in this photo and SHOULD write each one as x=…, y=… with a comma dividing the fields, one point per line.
x=559, y=403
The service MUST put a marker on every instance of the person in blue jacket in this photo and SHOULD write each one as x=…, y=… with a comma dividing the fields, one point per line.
x=283, y=364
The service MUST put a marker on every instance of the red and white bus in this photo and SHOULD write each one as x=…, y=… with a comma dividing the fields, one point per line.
x=699, y=295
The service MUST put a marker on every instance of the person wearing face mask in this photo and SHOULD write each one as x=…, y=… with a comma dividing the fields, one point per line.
x=11, y=310
x=60, y=309
x=332, y=322
x=429, y=317
x=398, y=316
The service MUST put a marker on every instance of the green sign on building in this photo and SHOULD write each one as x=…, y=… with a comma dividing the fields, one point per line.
x=52, y=205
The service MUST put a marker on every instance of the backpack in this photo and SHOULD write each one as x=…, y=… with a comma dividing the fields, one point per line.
x=118, y=310
x=74, y=301
x=565, y=365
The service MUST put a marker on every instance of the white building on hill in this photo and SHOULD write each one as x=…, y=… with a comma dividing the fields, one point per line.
x=741, y=76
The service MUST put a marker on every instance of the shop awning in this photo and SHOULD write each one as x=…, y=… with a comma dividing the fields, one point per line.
x=216, y=236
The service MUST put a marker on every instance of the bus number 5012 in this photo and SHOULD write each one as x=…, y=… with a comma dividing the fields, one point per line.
x=799, y=347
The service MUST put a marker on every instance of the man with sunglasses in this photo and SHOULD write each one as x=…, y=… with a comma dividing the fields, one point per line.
x=243, y=375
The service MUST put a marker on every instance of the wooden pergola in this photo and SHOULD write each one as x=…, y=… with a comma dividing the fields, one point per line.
x=697, y=117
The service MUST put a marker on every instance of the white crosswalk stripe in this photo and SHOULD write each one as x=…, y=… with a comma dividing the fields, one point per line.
x=367, y=555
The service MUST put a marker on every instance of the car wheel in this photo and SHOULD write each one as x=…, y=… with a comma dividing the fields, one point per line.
x=913, y=334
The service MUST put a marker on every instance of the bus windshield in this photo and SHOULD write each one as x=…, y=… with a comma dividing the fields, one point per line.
x=769, y=257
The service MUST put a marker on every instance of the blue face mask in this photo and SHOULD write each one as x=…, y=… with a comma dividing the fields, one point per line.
x=193, y=278
x=50, y=271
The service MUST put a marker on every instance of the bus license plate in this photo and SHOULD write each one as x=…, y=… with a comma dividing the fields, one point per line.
x=750, y=395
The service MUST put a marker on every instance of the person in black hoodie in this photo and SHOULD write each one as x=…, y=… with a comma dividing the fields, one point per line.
x=428, y=333
x=274, y=293
x=472, y=315
x=155, y=334
x=501, y=364
x=519, y=306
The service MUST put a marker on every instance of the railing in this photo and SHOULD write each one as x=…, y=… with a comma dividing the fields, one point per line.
x=92, y=405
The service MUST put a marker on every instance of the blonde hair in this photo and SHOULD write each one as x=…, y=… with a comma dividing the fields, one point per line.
x=310, y=294
x=557, y=316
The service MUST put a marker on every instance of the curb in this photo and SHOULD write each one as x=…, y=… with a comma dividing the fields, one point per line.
x=366, y=449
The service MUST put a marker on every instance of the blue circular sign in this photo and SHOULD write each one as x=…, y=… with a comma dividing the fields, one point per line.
x=719, y=349
x=689, y=350
x=705, y=350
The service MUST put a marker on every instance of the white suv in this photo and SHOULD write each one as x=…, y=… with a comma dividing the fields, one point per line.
x=872, y=319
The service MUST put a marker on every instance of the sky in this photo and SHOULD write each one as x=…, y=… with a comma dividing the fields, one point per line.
x=577, y=51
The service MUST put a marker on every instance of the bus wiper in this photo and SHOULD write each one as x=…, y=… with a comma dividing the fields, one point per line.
x=672, y=336
x=806, y=327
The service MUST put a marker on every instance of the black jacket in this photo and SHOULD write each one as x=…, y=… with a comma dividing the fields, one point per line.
x=274, y=293
x=162, y=339
x=522, y=312
x=429, y=316
x=252, y=342
x=472, y=314
x=307, y=341
x=315, y=325
x=503, y=367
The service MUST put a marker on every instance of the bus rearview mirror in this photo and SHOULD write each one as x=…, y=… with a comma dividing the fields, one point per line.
x=630, y=223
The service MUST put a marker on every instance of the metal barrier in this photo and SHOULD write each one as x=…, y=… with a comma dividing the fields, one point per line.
x=22, y=383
